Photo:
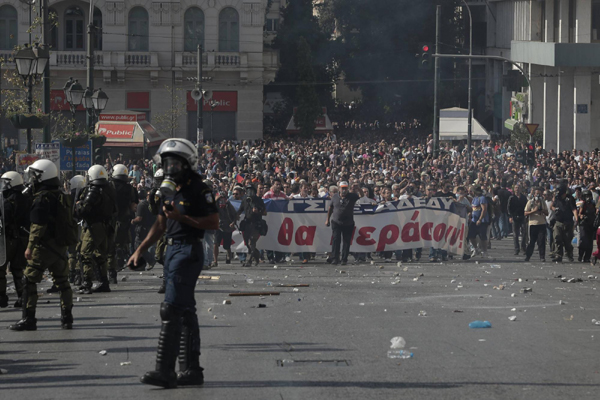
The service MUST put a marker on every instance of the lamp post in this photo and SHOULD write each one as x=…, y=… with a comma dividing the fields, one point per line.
x=74, y=93
x=470, y=112
x=94, y=102
x=213, y=104
x=31, y=62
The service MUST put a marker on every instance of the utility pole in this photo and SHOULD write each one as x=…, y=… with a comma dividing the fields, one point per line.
x=90, y=65
x=199, y=103
x=436, y=130
x=46, y=77
x=470, y=110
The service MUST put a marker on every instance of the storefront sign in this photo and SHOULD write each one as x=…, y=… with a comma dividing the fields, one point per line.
x=123, y=117
x=220, y=102
x=116, y=131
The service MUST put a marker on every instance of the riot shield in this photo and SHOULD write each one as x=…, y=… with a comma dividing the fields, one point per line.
x=2, y=228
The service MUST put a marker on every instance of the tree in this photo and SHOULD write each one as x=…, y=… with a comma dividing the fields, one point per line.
x=376, y=46
x=169, y=121
x=298, y=20
x=308, y=101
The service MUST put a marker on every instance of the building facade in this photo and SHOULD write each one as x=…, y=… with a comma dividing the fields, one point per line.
x=557, y=42
x=146, y=58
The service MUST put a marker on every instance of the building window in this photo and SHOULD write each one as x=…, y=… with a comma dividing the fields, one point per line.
x=271, y=24
x=193, y=34
x=8, y=27
x=138, y=29
x=596, y=21
x=74, y=28
x=98, y=31
x=229, y=30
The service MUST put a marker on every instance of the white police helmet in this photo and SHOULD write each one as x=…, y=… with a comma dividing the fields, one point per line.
x=43, y=170
x=97, y=175
x=11, y=179
x=120, y=172
x=77, y=182
x=182, y=148
x=159, y=174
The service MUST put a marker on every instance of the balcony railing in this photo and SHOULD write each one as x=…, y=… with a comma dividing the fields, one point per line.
x=225, y=60
x=7, y=56
x=73, y=59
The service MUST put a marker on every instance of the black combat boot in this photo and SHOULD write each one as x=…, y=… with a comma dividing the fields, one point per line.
x=66, y=318
x=166, y=355
x=86, y=288
x=53, y=289
x=163, y=286
x=190, y=372
x=27, y=323
x=3, y=300
x=18, y=303
x=112, y=276
x=103, y=287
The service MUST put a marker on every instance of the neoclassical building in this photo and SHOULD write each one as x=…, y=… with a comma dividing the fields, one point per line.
x=145, y=48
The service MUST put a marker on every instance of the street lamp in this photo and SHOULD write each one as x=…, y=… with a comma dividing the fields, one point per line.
x=31, y=62
x=94, y=103
x=213, y=104
x=100, y=100
x=470, y=111
x=74, y=93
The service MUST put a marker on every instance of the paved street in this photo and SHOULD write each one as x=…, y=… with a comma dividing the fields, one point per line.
x=348, y=315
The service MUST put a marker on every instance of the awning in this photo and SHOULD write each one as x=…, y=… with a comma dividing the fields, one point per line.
x=128, y=129
x=510, y=124
x=454, y=125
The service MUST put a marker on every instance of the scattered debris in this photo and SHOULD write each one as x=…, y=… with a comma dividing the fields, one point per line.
x=226, y=301
x=595, y=322
x=513, y=318
x=254, y=294
x=249, y=280
x=560, y=302
x=495, y=266
x=480, y=324
x=214, y=317
x=296, y=290
x=499, y=287
x=513, y=295
x=300, y=285
x=126, y=363
x=262, y=305
x=526, y=290
x=458, y=311
x=209, y=277
x=210, y=309
x=102, y=352
x=422, y=313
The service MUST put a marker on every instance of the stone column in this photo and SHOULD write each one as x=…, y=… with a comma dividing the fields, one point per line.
x=550, y=108
x=583, y=21
x=549, y=21
x=563, y=22
x=536, y=98
x=582, y=115
x=566, y=86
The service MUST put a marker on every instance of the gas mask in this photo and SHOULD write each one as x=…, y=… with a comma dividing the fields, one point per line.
x=174, y=170
x=33, y=181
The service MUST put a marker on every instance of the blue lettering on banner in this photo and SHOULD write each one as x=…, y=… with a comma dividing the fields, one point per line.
x=83, y=156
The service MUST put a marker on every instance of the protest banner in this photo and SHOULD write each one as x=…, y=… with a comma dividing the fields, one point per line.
x=299, y=226
x=24, y=160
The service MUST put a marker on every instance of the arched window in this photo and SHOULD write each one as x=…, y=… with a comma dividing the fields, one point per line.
x=98, y=32
x=53, y=17
x=138, y=29
x=8, y=27
x=74, y=28
x=229, y=30
x=193, y=26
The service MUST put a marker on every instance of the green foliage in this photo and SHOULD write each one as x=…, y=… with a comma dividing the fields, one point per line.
x=306, y=96
x=298, y=20
x=169, y=121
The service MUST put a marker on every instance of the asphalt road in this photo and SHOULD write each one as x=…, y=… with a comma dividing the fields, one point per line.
x=337, y=331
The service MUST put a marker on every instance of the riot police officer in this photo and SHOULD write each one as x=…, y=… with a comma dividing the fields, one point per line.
x=155, y=206
x=44, y=250
x=252, y=226
x=76, y=185
x=96, y=206
x=189, y=209
x=16, y=217
x=127, y=200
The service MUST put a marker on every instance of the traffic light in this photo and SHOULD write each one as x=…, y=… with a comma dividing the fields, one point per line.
x=98, y=156
x=425, y=57
x=514, y=81
x=530, y=152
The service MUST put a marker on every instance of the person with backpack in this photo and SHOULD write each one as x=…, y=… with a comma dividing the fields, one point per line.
x=16, y=216
x=51, y=231
x=96, y=206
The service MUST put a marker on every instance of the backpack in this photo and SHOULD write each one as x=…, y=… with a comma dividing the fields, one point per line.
x=67, y=233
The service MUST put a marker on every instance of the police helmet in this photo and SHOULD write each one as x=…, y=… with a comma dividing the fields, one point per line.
x=11, y=179
x=43, y=171
x=97, y=175
x=159, y=174
x=77, y=182
x=120, y=172
x=182, y=148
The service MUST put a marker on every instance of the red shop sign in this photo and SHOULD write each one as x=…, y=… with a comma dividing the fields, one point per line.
x=116, y=131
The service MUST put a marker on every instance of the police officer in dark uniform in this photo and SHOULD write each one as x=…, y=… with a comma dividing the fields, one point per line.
x=127, y=200
x=155, y=201
x=16, y=216
x=43, y=249
x=565, y=211
x=189, y=209
x=97, y=207
x=252, y=226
